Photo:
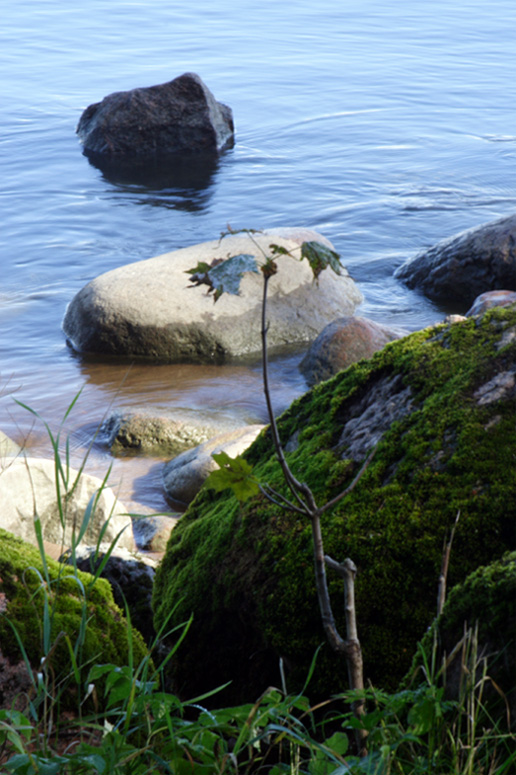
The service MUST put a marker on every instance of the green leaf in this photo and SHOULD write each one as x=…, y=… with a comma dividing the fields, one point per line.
x=223, y=276
x=338, y=743
x=235, y=474
x=320, y=257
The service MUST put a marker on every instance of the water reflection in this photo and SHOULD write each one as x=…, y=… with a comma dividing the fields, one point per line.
x=183, y=182
x=228, y=392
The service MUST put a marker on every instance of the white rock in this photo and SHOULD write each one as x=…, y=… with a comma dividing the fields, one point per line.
x=28, y=488
x=149, y=308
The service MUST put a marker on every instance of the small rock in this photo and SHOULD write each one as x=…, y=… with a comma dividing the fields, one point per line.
x=152, y=533
x=341, y=343
x=137, y=432
x=131, y=578
x=181, y=116
x=489, y=300
x=184, y=476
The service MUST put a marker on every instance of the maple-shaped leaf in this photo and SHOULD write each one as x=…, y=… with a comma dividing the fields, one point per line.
x=320, y=257
x=223, y=275
x=235, y=474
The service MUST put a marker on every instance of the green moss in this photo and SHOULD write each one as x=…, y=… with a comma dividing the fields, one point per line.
x=485, y=601
x=22, y=589
x=247, y=573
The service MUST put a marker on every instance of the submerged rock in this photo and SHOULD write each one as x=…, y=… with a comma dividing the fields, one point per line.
x=142, y=433
x=461, y=268
x=178, y=117
x=440, y=406
x=149, y=309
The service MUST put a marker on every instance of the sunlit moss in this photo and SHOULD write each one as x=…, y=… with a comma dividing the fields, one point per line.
x=23, y=585
x=247, y=572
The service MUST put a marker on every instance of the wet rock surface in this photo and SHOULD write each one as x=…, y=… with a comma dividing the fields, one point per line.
x=471, y=263
x=181, y=116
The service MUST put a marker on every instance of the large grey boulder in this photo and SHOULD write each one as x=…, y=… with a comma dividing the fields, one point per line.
x=149, y=308
x=28, y=488
x=461, y=268
x=184, y=476
x=181, y=116
x=343, y=342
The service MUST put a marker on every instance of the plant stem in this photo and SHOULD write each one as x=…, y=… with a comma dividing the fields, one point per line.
x=295, y=486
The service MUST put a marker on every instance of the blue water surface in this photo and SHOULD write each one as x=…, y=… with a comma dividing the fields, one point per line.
x=386, y=126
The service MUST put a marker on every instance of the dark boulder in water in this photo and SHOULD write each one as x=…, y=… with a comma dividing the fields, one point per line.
x=461, y=268
x=178, y=117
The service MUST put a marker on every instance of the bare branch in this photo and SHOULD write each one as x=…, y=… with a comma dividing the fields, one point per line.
x=351, y=487
x=294, y=485
x=280, y=500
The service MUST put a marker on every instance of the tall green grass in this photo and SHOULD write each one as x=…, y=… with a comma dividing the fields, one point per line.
x=125, y=723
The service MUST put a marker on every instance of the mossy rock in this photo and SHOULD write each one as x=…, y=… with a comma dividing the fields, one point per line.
x=480, y=613
x=441, y=406
x=22, y=585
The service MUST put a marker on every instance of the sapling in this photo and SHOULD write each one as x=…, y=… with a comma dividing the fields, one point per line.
x=224, y=276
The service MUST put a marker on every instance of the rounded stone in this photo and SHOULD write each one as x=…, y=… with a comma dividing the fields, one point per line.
x=343, y=342
x=149, y=309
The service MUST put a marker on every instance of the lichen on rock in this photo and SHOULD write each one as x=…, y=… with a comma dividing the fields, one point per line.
x=247, y=572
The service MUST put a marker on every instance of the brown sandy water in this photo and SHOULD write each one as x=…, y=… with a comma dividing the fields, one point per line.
x=225, y=395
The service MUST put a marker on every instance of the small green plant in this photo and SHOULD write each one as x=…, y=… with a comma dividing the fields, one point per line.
x=224, y=276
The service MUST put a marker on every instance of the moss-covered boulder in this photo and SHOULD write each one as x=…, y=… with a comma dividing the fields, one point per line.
x=441, y=407
x=476, y=635
x=22, y=601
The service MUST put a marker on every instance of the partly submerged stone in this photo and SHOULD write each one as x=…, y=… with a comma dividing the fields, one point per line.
x=461, y=268
x=72, y=598
x=341, y=343
x=440, y=406
x=28, y=488
x=178, y=117
x=144, y=433
x=150, y=309
x=8, y=447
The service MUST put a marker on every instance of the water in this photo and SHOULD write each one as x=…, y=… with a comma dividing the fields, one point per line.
x=384, y=126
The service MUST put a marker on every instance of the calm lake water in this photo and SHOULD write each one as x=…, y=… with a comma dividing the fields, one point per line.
x=385, y=126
